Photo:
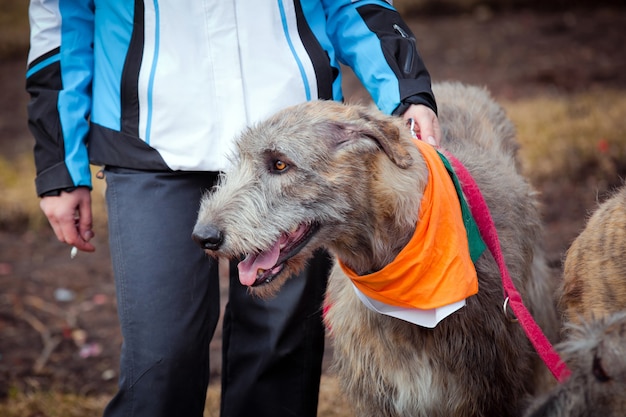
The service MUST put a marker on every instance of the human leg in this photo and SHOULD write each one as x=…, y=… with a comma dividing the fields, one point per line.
x=167, y=293
x=273, y=349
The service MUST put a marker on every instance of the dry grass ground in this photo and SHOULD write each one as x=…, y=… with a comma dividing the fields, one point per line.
x=55, y=404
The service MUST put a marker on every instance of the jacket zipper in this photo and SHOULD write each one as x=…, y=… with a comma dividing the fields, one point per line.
x=408, y=63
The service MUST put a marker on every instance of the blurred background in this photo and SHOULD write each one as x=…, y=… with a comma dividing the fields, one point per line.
x=558, y=67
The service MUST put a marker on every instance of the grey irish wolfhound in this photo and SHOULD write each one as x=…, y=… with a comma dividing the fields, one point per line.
x=350, y=179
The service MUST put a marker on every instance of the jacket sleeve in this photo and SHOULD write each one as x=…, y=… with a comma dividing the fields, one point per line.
x=372, y=39
x=58, y=79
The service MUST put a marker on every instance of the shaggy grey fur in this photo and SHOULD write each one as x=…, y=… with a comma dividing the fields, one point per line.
x=353, y=179
x=595, y=351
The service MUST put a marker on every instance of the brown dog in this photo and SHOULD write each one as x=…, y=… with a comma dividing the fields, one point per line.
x=594, y=304
x=594, y=282
x=351, y=179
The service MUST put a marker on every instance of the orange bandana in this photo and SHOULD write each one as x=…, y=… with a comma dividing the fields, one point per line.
x=435, y=268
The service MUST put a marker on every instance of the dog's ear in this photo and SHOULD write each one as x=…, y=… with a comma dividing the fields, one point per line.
x=385, y=133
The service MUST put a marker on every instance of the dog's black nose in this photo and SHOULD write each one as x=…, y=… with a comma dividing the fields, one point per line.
x=208, y=237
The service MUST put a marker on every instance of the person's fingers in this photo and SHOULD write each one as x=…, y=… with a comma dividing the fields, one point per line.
x=83, y=245
x=70, y=229
x=83, y=222
x=85, y=226
x=426, y=130
x=436, y=132
x=429, y=127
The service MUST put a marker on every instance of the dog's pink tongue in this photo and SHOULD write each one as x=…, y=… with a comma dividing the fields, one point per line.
x=248, y=267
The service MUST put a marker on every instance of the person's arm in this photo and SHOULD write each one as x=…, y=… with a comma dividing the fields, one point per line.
x=58, y=79
x=371, y=38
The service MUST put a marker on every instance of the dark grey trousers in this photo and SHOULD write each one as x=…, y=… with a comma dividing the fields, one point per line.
x=168, y=306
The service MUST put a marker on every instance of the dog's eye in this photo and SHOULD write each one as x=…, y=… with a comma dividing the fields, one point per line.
x=280, y=166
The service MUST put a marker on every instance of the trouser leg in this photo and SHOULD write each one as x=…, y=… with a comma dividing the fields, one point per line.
x=167, y=293
x=273, y=349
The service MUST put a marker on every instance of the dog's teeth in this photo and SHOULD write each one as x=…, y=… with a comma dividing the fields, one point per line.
x=260, y=272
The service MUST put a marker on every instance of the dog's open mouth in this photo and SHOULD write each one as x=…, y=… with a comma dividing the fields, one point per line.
x=261, y=268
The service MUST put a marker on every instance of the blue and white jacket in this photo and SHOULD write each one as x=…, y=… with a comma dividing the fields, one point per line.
x=168, y=85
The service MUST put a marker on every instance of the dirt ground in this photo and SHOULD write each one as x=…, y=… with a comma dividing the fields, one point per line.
x=58, y=325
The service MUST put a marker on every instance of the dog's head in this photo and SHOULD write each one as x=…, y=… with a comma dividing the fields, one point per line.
x=296, y=179
x=595, y=350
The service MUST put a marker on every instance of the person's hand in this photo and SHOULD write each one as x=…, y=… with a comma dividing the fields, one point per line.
x=426, y=123
x=69, y=215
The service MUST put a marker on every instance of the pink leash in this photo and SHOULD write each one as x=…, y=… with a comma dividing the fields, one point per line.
x=483, y=219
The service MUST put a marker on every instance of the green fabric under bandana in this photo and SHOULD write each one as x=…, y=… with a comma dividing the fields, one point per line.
x=476, y=244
